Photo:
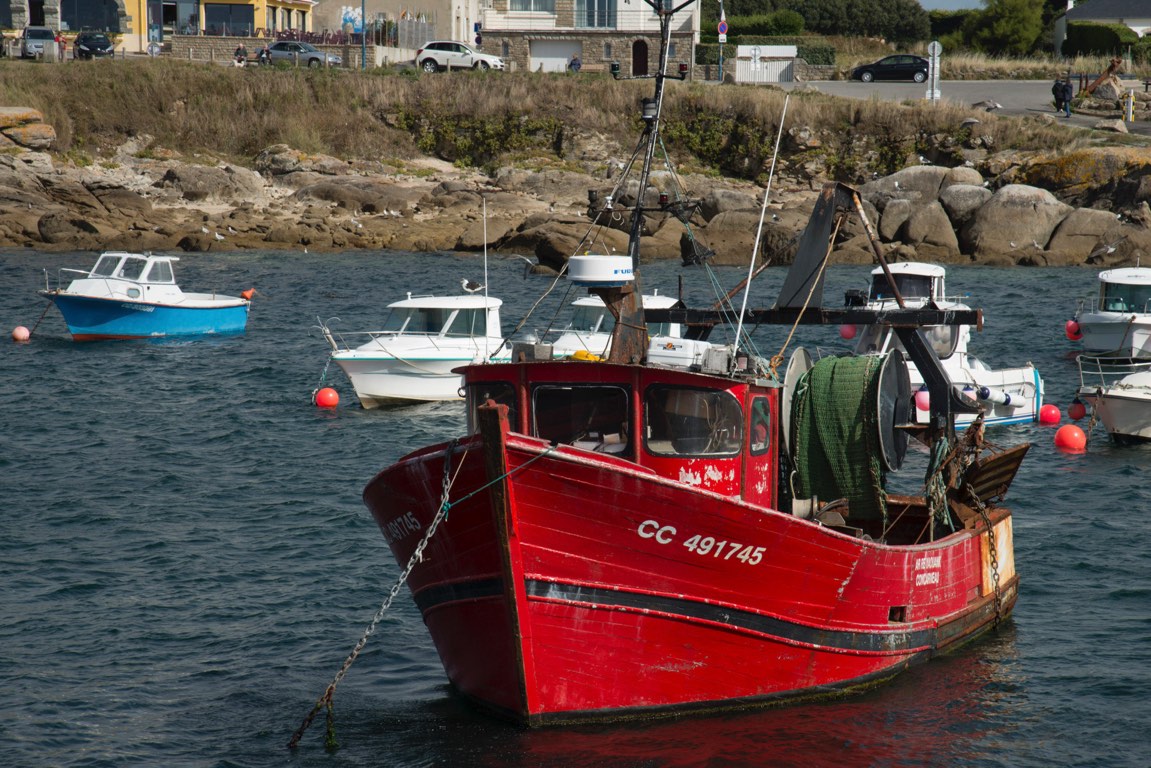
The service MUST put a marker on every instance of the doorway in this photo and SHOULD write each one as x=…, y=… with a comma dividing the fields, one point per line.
x=639, y=58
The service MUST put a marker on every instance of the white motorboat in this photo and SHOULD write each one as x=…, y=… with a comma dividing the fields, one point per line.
x=1007, y=395
x=590, y=330
x=1118, y=392
x=1118, y=319
x=135, y=296
x=412, y=357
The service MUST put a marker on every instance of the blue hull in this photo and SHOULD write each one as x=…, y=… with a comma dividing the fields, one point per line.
x=92, y=319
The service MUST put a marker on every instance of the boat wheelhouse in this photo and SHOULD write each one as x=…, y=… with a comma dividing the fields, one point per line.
x=414, y=354
x=135, y=296
x=1007, y=395
x=1118, y=318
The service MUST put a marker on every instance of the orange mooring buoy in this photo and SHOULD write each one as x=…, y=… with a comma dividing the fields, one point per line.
x=327, y=398
x=248, y=294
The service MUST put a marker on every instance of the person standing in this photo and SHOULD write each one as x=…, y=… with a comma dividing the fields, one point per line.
x=1068, y=94
x=1057, y=92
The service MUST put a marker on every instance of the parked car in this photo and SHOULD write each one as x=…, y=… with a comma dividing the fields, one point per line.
x=302, y=53
x=33, y=40
x=901, y=66
x=439, y=55
x=93, y=45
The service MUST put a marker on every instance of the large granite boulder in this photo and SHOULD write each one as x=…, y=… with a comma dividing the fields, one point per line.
x=1017, y=219
x=915, y=183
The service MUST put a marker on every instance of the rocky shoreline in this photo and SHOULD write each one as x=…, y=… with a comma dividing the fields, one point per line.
x=1079, y=207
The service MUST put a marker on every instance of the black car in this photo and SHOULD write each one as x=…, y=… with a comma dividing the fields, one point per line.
x=901, y=66
x=94, y=45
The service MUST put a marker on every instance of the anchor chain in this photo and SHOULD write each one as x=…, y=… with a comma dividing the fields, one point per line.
x=1092, y=420
x=325, y=700
x=993, y=551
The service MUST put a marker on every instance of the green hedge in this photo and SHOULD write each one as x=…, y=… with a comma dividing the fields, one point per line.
x=1089, y=39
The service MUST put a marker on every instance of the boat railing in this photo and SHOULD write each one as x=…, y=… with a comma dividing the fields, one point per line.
x=339, y=340
x=1093, y=304
x=1105, y=370
x=111, y=282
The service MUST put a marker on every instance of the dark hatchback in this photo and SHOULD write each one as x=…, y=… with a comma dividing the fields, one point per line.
x=901, y=66
x=94, y=45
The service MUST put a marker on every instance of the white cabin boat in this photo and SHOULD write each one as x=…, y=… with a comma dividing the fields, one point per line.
x=135, y=296
x=423, y=339
x=1118, y=319
x=1118, y=392
x=591, y=326
x=1007, y=395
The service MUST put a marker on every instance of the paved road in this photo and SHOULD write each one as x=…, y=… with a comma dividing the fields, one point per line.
x=1018, y=97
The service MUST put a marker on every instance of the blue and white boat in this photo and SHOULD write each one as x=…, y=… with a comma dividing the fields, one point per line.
x=414, y=355
x=1007, y=395
x=135, y=296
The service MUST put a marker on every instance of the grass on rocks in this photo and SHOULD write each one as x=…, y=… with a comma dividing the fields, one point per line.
x=483, y=119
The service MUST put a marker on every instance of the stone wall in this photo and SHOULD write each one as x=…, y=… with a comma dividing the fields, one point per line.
x=215, y=48
x=593, y=48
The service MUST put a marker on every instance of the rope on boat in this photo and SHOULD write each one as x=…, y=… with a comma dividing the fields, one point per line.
x=323, y=378
x=42, y=315
x=326, y=699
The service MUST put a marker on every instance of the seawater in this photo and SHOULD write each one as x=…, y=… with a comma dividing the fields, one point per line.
x=185, y=560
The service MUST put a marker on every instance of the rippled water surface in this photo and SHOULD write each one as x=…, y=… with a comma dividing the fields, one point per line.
x=186, y=562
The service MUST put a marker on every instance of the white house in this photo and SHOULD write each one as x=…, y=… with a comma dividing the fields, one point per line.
x=1135, y=14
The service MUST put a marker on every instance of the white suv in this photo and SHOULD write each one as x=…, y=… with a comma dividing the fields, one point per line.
x=448, y=54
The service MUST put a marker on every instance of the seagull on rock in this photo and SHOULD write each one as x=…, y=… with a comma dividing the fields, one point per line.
x=471, y=286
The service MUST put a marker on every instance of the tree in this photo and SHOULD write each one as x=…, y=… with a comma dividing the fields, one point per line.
x=1007, y=27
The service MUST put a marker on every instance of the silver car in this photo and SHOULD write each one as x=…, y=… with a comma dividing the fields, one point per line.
x=33, y=40
x=448, y=54
x=303, y=53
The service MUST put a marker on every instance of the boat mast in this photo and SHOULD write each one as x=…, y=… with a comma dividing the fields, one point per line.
x=629, y=337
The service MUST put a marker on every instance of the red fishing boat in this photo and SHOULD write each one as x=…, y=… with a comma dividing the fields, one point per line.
x=676, y=528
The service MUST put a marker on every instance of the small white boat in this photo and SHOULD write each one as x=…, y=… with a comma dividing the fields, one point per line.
x=1118, y=392
x=590, y=329
x=1118, y=319
x=135, y=296
x=412, y=357
x=1007, y=395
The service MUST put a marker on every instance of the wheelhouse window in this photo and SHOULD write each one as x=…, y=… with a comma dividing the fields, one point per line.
x=1125, y=298
x=106, y=266
x=593, y=416
x=910, y=287
x=468, y=322
x=132, y=269
x=416, y=319
x=161, y=272
x=760, y=437
x=499, y=392
x=682, y=421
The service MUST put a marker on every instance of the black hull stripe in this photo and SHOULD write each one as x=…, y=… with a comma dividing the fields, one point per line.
x=891, y=641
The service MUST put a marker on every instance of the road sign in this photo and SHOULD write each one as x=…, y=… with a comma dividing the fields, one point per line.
x=722, y=27
x=934, y=48
x=722, y=37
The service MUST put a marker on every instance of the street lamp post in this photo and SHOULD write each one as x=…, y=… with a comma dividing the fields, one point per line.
x=363, y=36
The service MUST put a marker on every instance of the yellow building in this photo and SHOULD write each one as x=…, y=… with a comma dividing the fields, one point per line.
x=140, y=22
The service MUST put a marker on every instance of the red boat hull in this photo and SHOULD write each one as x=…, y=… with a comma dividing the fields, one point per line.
x=576, y=585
